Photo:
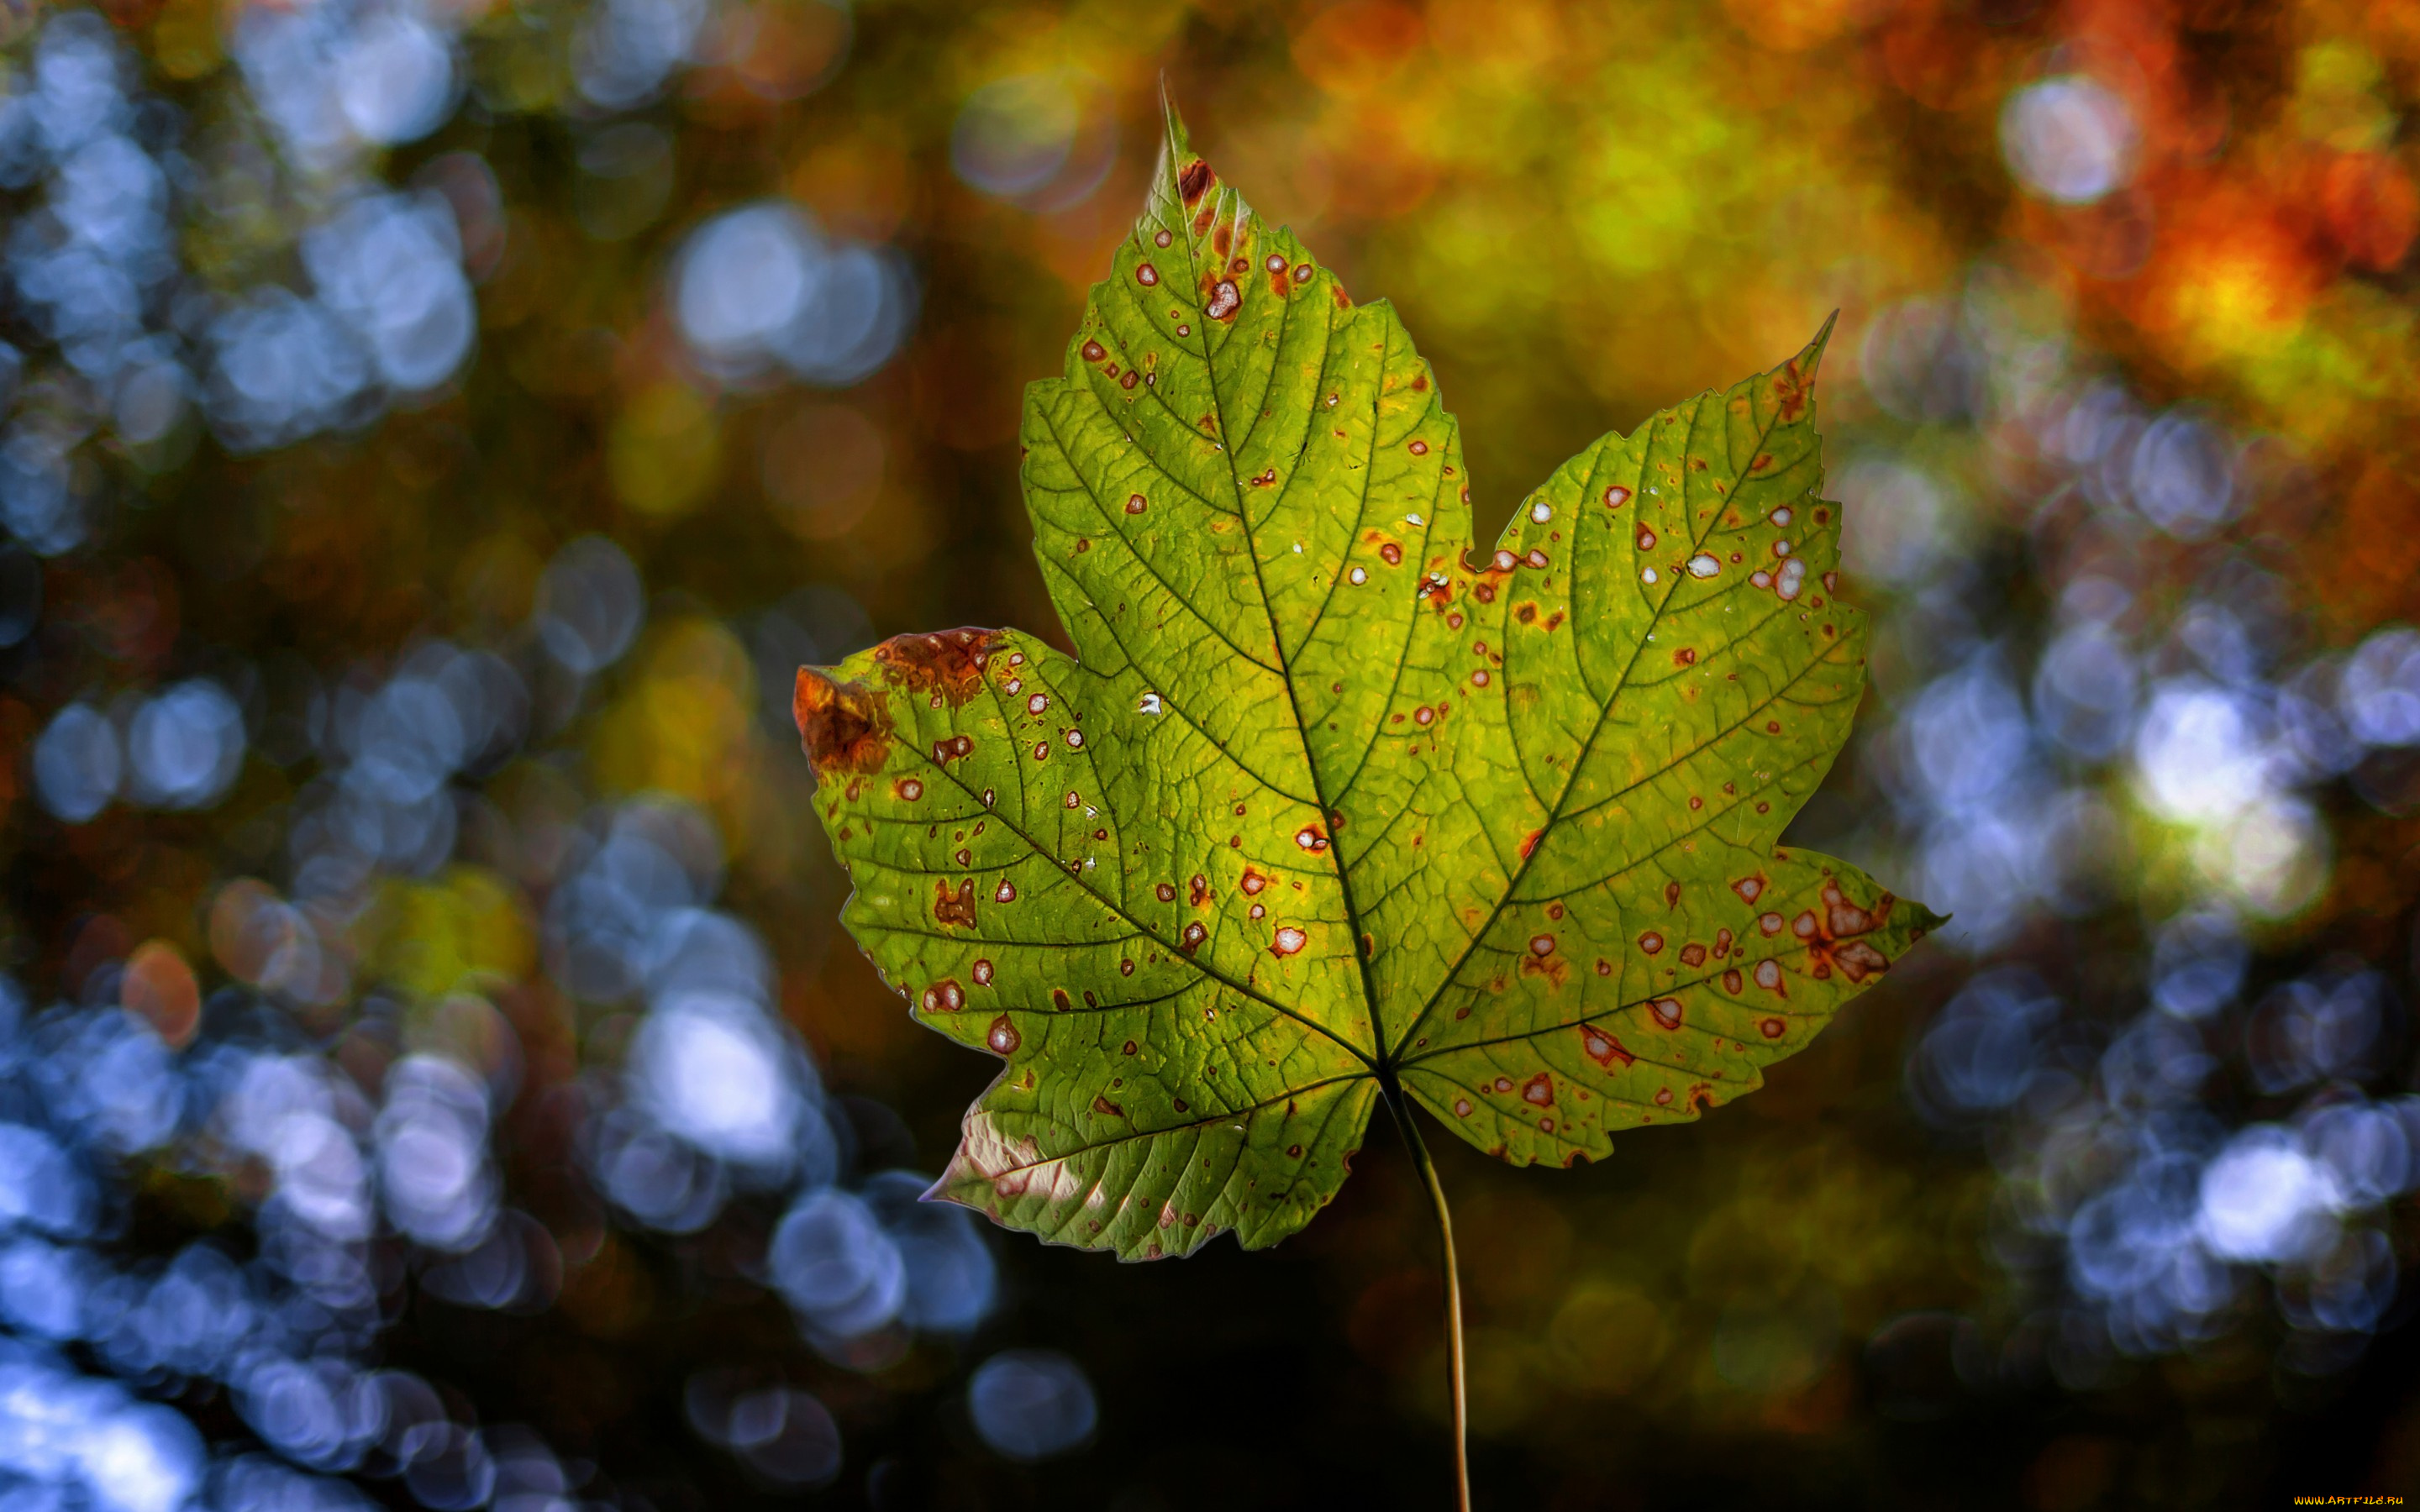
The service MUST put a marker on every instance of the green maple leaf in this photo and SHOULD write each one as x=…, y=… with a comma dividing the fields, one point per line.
x=1328, y=809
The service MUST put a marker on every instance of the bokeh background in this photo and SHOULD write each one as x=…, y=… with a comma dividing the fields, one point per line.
x=435, y=430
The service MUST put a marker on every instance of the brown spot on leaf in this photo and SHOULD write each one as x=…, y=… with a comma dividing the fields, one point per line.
x=1792, y=389
x=1195, y=180
x=1832, y=936
x=943, y=996
x=843, y=727
x=1603, y=1048
x=947, y=662
x=958, y=912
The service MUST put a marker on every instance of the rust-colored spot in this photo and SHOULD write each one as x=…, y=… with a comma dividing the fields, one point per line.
x=1539, y=1092
x=1693, y=954
x=1858, y=959
x=1684, y=657
x=943, y=996
x=1792, y=389
x=959, y=911
x=1603, y=1048
x=1102, y=1104
x=1195, y=180
x=1773, y=1028
x=843, y=727
x=1832, y=936
x=947, y=662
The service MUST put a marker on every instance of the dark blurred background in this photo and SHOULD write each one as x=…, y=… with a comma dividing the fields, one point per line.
x=435, y=430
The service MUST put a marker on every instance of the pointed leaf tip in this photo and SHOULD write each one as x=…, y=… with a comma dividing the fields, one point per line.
x=1793, y=384
x=1175, y=141
x=1181, y=175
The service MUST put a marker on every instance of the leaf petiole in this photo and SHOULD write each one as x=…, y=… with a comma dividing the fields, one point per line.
x=1404, y=1120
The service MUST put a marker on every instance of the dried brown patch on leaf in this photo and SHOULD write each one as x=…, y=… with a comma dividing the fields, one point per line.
x=946, y=662
x=843, y=727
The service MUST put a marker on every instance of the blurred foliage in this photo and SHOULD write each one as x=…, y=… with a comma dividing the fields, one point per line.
x=2062, y=1218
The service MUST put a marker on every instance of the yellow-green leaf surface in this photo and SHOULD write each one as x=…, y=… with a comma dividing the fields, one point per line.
x=1329, y=806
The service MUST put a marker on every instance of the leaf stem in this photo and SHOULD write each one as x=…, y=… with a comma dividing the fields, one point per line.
x=1454, y=1357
